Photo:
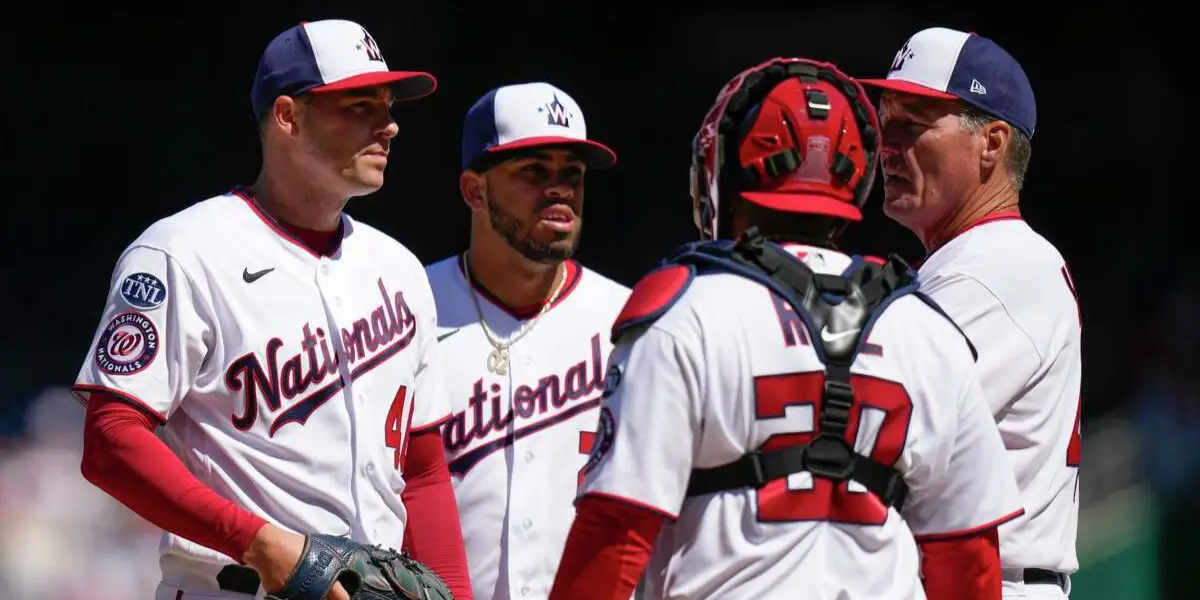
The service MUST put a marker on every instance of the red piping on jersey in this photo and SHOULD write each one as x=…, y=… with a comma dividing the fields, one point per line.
x=280, y=229
x=1004, y=215
x=429, y=426
x=630, y=502
x=971, y=531
x=574, y=274
x=79, y=389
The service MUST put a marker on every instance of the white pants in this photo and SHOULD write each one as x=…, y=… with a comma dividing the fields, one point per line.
x=170, y=592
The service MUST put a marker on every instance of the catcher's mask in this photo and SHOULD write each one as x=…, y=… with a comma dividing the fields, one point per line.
x=803, y=138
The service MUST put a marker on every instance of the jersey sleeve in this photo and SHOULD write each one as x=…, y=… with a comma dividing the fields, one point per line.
x=960, y=480
x=431, y=403
x=1008, y=357
x=649, y=417
x=153, y=337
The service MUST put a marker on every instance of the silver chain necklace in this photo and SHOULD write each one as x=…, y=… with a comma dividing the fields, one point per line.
x=497, y=361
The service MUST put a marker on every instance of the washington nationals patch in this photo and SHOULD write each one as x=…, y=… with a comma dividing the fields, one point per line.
x=128, y=344
x=604, y=440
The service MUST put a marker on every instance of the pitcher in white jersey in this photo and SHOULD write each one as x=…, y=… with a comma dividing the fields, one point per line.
x=958, y=115
x=287, y=351
x=528, y=327
x=725, y=464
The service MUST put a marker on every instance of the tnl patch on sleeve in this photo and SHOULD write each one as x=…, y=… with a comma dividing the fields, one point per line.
x=144, y=291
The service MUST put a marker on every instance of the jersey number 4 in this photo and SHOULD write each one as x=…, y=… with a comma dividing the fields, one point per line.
x=879, y=422
x=395, y=431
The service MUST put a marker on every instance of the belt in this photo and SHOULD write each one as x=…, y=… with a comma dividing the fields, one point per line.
x=235, y=578
x=1045, y=576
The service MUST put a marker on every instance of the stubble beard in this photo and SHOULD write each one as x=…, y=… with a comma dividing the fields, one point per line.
x=510, y=229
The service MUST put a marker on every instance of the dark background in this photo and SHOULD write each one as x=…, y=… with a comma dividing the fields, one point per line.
x=115, y=118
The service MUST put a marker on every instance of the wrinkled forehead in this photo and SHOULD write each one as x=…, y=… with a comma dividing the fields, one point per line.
x=911, y=106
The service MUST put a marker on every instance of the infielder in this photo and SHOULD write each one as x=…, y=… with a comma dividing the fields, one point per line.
x=528, y=327
x=958, y=113
x=288, y=351
x=748, y=374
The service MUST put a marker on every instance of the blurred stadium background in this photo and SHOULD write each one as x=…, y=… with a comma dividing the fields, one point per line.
x=156, y=117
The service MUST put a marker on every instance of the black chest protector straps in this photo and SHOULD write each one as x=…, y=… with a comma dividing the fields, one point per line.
x=838, y=312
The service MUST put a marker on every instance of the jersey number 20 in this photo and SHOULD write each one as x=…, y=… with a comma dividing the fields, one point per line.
x=879, y=419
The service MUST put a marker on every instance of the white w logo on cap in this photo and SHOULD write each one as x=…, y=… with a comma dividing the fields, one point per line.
x=557, y=113
x=372, y=48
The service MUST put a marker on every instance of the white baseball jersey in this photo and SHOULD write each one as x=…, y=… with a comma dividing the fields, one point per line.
x=729, y=369
x=286, y=381
x=516, y=443
x=1012, y=293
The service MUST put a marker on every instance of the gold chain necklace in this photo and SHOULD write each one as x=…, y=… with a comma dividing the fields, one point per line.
x=497, y=361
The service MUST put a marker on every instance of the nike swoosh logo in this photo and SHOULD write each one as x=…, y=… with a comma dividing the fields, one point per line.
x=249, y=277
x=448, y=334
x=827, y=336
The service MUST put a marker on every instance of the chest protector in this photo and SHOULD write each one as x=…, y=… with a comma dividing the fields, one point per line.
x=838, y=312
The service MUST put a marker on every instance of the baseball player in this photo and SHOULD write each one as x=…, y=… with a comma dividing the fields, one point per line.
x=287, y=351
x=528, y=327
x=958, y=113
x=782, y=420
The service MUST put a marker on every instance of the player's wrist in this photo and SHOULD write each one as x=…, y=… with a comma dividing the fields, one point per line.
x=260, y=545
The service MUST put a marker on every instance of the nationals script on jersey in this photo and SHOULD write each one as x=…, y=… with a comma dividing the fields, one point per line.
x=516, y=443
x=1012, y=293
x=730, y=369
x=286, y=381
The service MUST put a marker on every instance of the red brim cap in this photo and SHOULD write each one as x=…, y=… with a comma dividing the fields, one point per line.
x=805, y=203
x=406, y=85
x=595, y=154
x=908, y=87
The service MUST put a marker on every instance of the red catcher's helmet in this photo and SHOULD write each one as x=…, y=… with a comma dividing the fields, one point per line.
x=790, y=134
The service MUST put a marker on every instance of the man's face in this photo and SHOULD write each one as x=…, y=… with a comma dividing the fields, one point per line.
x=535, y=203
x=348, y=134
x=930, y=163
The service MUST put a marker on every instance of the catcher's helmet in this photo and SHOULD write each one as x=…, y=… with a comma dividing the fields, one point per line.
x=790, y=134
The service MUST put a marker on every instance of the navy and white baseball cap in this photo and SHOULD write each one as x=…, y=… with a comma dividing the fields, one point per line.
x=528, y=115
x=944, y=63
x=326, y=56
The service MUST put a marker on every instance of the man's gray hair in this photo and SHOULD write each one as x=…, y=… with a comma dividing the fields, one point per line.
x=1019, y=148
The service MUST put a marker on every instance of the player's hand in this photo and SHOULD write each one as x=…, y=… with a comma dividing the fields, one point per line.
x=274, y=553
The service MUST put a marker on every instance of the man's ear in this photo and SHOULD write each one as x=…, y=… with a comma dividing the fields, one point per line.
x=473, y=187
x=284, y=116
x=996, y=137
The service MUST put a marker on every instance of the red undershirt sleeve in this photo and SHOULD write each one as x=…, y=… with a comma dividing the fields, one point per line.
x=433, y=534
x=607, y=550
x=962, y=568
x=123, y=456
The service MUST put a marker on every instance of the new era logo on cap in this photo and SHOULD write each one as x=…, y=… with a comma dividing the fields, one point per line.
x=328, y=55
x=527, y=115
x=944, y=63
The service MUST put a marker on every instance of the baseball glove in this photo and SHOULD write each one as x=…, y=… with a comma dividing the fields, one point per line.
x=366, y=572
